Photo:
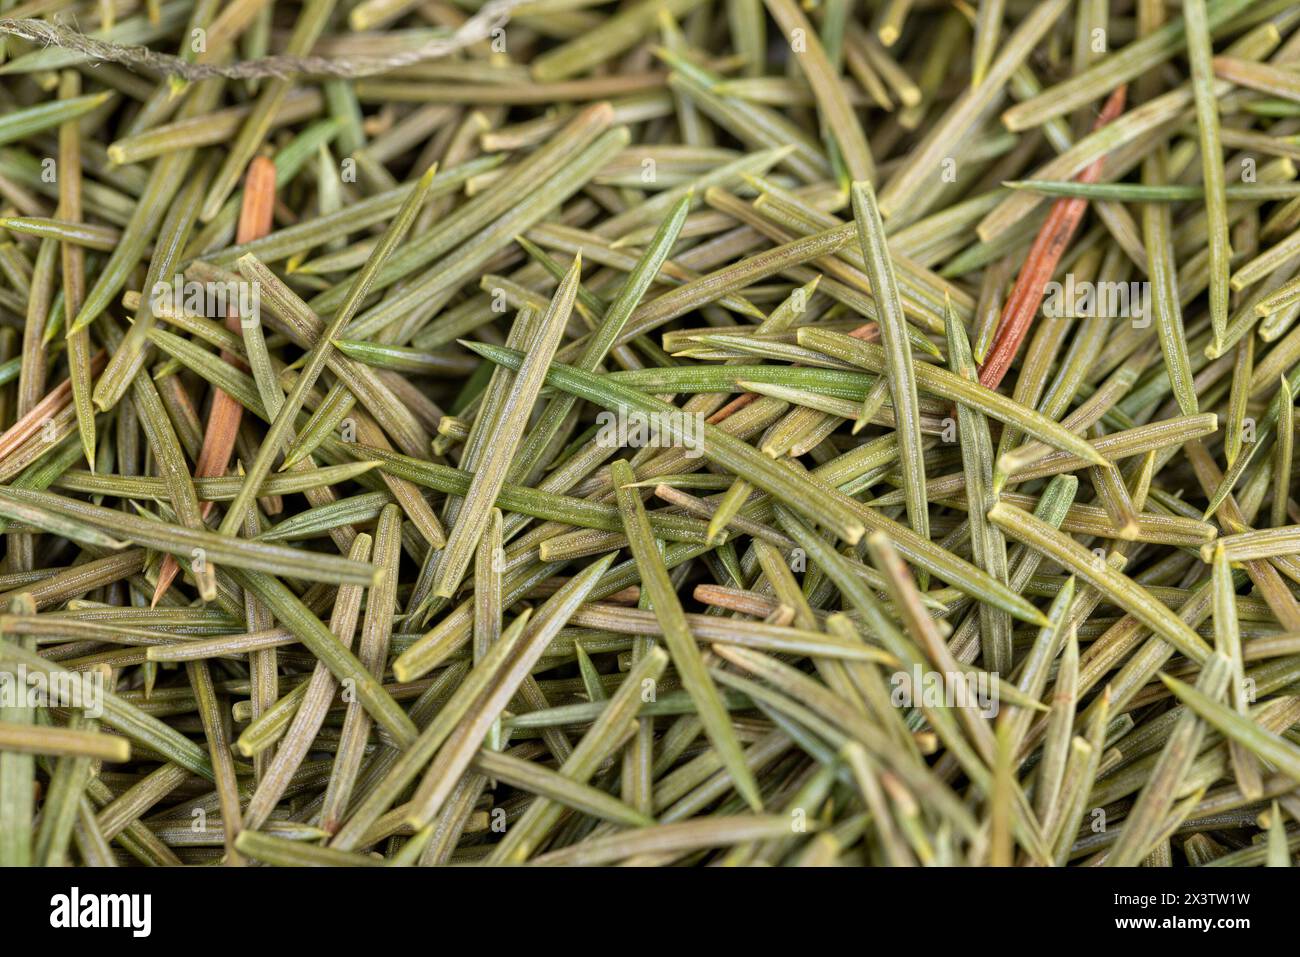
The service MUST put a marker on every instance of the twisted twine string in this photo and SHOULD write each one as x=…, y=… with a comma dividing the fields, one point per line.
x=479, y=27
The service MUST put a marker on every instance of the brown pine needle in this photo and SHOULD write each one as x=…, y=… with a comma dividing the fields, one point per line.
x=226, y=413
x=1040, y=263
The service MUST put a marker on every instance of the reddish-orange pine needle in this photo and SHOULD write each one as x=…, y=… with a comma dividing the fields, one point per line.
x=1049, y=245
x=255, y=218
x=732, y=407
x=51, y=405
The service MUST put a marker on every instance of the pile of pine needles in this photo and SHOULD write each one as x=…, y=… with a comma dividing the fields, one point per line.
x=664, y=432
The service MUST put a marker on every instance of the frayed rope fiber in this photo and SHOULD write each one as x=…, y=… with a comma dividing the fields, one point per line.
x=479, y=27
